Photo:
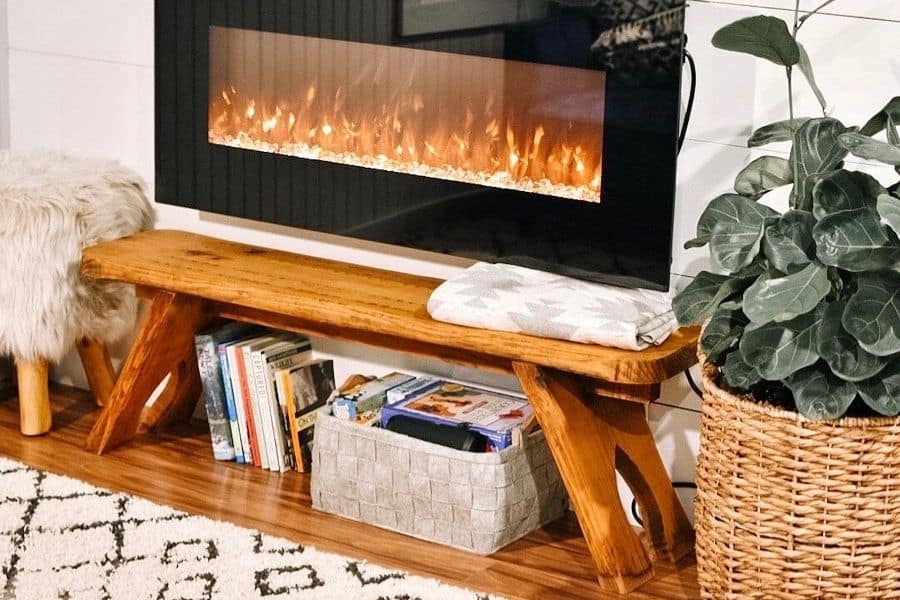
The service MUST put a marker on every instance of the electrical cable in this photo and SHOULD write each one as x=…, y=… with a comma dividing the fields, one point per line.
x=691, y=93
x=681, y=136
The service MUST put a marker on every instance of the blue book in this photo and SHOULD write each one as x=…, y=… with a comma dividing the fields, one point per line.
x=230, y=406
x=214, y=385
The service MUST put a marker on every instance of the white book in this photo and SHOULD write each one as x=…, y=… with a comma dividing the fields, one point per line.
x=288, y=355
x=258, y=417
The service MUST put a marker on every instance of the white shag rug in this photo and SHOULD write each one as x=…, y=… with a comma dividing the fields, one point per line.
x=61, y=538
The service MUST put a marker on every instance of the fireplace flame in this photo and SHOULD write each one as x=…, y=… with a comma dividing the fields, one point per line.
x=407, y=136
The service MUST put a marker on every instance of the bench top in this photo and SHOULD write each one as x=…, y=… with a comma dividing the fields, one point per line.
x=344, y=296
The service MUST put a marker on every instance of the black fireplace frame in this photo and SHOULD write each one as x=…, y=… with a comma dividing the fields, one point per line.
x=625, y=239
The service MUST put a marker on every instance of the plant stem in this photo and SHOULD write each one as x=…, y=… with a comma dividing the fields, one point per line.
x=803, y=19
x=789, y=68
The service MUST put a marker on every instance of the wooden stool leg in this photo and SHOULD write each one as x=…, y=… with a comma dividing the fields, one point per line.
x=638, y=460
x=35, y=417
x=584, y=450
x=167, y=332
x=98, y=369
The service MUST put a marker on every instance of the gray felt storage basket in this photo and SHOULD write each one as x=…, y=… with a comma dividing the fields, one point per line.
x=478, y=502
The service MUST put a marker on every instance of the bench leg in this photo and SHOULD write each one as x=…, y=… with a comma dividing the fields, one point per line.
x=638, y=461
x=179, y=399
x=585, y=452
x=35, y=417
x=98, y=369
x=164, y=341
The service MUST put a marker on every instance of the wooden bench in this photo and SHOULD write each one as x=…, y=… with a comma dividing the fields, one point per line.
x=590, y=400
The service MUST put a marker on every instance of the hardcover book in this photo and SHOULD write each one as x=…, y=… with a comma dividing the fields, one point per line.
x=491, y=414
x=214, y=394
x=305, y=389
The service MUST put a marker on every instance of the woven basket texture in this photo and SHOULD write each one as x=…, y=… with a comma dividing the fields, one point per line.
x=791, y=508
x=478, y=502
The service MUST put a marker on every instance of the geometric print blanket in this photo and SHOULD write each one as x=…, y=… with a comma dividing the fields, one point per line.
x=64, y=539
x=511, y=298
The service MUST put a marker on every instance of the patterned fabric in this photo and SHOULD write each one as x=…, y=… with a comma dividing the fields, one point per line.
x=511, y=298
x=61, y=538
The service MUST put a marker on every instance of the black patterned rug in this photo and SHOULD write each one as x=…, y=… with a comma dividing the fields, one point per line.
x=64, y=539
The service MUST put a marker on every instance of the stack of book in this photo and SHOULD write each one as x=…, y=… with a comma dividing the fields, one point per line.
x=262, y=389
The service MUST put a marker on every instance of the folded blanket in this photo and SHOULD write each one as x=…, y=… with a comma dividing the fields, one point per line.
x=510, y=298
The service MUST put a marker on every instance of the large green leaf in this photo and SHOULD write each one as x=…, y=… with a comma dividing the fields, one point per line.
x=806, y=68
x=819, y=395
x=815, y=151
x=762, y=175
x=779, y=131
x=872, y=315
x=762, y=36
x=735, y=239
x=699, y=300
x=784, y=298
x=738, y=374
x=788, y=242
x=865, y=147
x=879, y=121
x=841, y=350
x=722, y=332
x=721, y=207
x=855, y=240
x=844, y=190
x=889, y=210
x=778, y=349
x=882, y=393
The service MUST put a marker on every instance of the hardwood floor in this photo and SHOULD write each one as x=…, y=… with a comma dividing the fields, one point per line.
x=178, y=470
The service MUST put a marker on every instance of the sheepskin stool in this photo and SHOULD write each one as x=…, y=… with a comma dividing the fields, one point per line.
x=52, y=206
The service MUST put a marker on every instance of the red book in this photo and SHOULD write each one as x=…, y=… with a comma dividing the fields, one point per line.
x=248, y=409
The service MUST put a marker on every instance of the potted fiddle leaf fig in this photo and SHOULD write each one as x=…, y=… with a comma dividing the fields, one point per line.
x=799, y=468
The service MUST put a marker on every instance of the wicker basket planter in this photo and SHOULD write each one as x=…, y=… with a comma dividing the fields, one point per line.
x=789, y=508
x=478, y=502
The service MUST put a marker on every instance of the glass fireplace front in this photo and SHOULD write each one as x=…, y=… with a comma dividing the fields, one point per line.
x=498, y=123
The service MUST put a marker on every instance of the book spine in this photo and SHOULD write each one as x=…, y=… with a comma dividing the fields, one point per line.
x=214, y=397
x=274, y=443
x=278, y=409
x=233, y=354
x=248, y=406
x=230, y=405
x=288, y=395
x=280, y=394
x=258, y=434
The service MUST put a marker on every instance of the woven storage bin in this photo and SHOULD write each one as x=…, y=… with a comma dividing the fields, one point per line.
x=474, y=501
x=790, y=508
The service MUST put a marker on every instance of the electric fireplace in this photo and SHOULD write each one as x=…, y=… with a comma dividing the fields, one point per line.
x=536, y=132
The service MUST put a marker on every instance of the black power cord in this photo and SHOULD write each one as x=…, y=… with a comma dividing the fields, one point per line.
x=689, y=107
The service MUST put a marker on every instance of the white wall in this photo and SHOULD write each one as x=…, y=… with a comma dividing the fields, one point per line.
x=81, y=76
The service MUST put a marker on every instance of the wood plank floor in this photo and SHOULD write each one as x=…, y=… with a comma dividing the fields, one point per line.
x=178, y=470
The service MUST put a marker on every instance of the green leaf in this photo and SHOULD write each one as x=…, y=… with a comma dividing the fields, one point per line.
x=784, y=298
x=762, y=36
x=882, y=393
x=806, y=68
x=893, y=137
x=879, y=121
x=762, y=175
x=739, y=227
x=816, y=151
x=738, y=374
x=719, y=208
x=779, y=131
x=844, y=190
x=722, y=332
x=778, y=349
x=841, y=350
x=865, y=147
x=700, y=298
x=889, y=210
x=819, y=395
x=855, y=240
x=788, y=241
x=872, y=315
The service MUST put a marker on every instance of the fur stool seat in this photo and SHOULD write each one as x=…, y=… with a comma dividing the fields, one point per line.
x=52, y=206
